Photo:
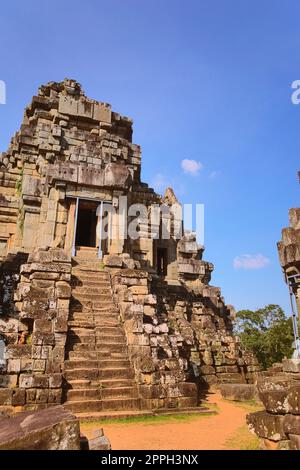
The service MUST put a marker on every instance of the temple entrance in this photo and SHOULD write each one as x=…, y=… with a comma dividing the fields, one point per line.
x=86, y=224
x=162, y=261
x=91, y=226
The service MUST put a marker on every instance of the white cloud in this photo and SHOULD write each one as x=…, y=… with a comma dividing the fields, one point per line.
x=250, y=261
x=191, y=167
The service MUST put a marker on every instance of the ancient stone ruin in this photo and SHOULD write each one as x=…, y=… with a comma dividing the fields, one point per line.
x=278, y=426
x=100, y=323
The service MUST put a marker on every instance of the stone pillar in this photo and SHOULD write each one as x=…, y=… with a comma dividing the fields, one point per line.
x=70, y=227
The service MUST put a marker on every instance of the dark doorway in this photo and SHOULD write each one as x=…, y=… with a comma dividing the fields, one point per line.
x=162, y=261
x=86, y=225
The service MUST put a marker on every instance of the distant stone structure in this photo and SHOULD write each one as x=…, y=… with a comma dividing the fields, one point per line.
x=99, y=323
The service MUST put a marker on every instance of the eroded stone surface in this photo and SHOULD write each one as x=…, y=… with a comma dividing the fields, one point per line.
x=50, y=429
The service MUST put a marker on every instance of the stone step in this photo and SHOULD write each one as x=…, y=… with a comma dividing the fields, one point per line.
x=103, y=298
x=95, y=355
x=119, y=392
x=83, y=406
x=121, y=404
x=89, y=265
x=82, y=338
x=80, y=347
x=108, y=404
x=88, y=281
x=100, y=348
x=78, y=384
x=83, y=394
x=101, y=393
x=80, y=374
x=107, y=338
x=120, y=348
x=81, y=324
x=91, y=290
x=97, y=374
x=100, y=364
x=88, y=321
x=109, y=330
x=116, y=383
x=90, y=305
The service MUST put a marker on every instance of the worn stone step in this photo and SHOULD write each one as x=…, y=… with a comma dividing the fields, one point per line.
x=121, y=404
x=83, y=406
x=90, y=305
x=120, y=348
x=81, y=324
x=88, y=281
x=95, y=373
x=89, y=318
x=109, y=330
x=116, y=373
x=80, y=374
x=118, y=392
x=108, y=304
x=116, y=383
x=83, y=394
x=100, y=364
x=78, y=384
x=89, y=297
x=79, y=316
x=80, y=347
x=82, y=338
x=108, y=404
x=95, y=355
x=110, y=338
x=83, y=290
x=91, y=266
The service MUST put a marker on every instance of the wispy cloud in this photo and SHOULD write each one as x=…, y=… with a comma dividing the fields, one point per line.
x=251, y=261
x=213, y=174
x=191, y=167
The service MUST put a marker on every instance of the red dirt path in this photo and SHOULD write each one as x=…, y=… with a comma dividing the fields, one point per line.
x=203, y=433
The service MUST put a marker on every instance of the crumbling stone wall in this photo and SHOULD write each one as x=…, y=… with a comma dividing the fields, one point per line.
x=278, y=426
x=180, y=340
x=161, y=368
x=35, y=359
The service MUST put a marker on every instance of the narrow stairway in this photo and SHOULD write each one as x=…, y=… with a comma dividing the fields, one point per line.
x=98, y=373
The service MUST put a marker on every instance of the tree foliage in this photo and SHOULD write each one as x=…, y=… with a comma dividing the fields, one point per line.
x=267, y=332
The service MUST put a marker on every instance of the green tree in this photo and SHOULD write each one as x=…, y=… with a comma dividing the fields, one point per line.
x=267, y=332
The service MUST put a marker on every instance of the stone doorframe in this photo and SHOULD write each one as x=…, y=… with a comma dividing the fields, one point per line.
x=100, y=207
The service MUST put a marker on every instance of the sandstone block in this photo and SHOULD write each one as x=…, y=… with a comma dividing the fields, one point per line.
x=19, y=397
x=293, y=399
x=275, y=401
x=266, y=425
x=50, y=429
x=5, y=396
x=291, y=424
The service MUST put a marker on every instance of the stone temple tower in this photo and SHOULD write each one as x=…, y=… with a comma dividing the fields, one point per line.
x=91, y=317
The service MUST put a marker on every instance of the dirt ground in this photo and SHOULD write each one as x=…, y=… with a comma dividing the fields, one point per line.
x=226, y=430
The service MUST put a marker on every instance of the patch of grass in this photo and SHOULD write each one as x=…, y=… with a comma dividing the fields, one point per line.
x=248, y=405
x=242, y=439
x=148, y=419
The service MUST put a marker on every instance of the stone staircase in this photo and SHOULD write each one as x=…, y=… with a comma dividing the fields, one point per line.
x=98, y=374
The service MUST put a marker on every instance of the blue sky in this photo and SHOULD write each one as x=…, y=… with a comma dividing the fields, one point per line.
x=204, y=80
